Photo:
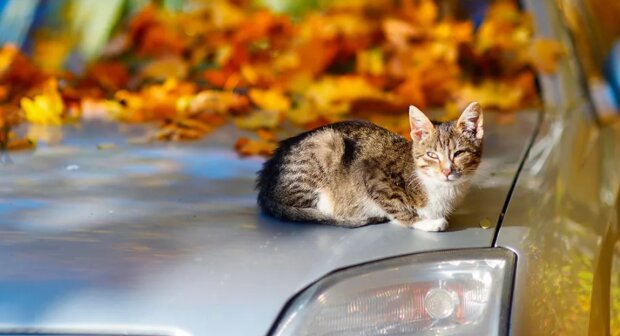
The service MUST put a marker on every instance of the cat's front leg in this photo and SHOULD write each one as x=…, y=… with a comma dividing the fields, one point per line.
x=429, y=225
x=432, y=225
x=405, y=215
x=391, y=198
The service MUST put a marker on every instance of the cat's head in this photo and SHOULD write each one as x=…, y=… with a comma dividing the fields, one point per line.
x=447, y=152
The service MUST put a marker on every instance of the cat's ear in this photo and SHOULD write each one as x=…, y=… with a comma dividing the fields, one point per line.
x=470, y=121
x=421, y=126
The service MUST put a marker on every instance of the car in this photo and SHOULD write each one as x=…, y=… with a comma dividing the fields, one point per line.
x=135, y=239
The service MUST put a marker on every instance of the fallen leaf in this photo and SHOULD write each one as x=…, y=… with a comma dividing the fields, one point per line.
x=400, y=32
x=334, y=95
x=165, y=68
x=45, y=108
x=272, y=99
x=259, y=119
x=21, y=144
x=246, y=147
x=111, y=76
x=266, y=135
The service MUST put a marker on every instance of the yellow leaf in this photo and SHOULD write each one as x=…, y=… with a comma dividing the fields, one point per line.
x=335, y=94
x=370, y=62
x=166, y=68
x=270, y=99
x=259, y=119
x=302, y=114
x=219, y=102
x=226, y=15
x=501, y=95
x=45, y=108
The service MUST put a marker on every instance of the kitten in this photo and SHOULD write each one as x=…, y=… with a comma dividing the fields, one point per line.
x=356, y=173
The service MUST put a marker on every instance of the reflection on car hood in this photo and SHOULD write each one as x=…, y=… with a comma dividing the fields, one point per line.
x=168, y=238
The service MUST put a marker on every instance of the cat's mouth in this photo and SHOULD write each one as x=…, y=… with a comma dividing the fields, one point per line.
x=453, y=178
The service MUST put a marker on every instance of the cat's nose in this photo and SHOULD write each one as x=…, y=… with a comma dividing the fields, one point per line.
x=446, y=171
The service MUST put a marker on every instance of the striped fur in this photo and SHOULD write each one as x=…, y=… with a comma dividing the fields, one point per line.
x=355, y=173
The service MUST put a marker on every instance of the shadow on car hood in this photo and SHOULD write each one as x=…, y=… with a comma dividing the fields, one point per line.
x=168, y=238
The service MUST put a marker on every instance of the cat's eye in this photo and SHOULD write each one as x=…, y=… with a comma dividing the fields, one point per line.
x=459, y=152
x=432, y=155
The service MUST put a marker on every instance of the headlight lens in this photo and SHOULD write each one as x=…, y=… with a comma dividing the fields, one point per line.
x=463, y=292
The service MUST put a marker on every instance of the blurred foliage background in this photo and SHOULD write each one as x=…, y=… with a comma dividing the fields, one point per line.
x=263, y=65
x=91, y=22
x=88, y=24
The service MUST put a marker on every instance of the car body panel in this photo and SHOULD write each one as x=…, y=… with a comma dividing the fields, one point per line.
x=167, y=237
x=562, y=217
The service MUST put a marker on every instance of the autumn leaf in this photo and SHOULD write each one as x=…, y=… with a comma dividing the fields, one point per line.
x=45, y=108
x=272, y=99
x=211, y=101
x=165, y=68
x=370, y=62
x=154, y=102
x=503, y=95
x=110, y=76
x=334, y=94
x=259, y=119
x=226, y=15
x=153, y=36
x=21, y=144
x=225, y=61
x=183, y=129
x=17, y=70
x=245, y=147
x=421, y=12
x=303, y=114
x=400, y=32
x=266, y=135
x=412, y=91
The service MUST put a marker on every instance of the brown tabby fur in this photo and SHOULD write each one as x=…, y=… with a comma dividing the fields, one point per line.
x=356, y=173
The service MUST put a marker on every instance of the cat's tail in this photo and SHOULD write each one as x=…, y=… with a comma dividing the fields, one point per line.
x=291, y=213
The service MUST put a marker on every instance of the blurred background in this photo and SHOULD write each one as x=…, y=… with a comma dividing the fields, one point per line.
x=195, y=65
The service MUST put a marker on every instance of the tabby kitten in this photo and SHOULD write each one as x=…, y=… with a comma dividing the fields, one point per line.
x=356, y=173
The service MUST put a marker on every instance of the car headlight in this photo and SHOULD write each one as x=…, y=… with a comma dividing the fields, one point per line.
x=464, y=292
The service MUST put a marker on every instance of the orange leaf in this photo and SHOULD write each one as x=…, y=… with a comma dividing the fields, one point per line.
x=272, y=99
x=111, y=76
x=247, y=147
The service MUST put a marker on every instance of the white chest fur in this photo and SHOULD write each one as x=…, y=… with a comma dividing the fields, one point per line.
x=441, y=198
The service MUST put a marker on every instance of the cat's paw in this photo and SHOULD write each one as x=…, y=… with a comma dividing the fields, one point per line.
x=434, y=225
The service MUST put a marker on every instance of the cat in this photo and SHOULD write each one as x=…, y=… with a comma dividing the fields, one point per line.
x=355, y=173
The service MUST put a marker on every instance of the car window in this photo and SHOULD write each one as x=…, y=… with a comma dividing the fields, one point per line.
x=596, y=32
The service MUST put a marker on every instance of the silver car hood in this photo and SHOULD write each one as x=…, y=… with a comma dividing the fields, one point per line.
x=167, y=238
